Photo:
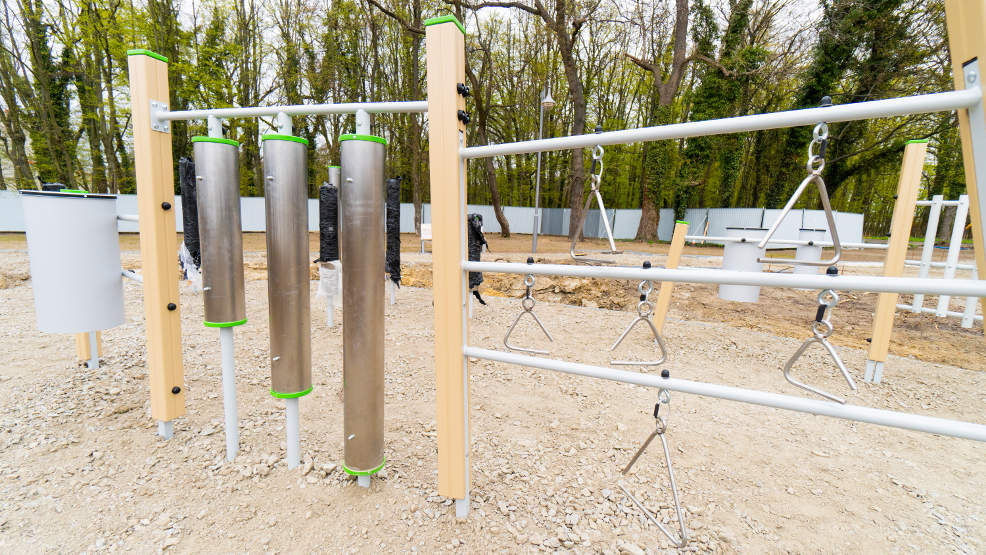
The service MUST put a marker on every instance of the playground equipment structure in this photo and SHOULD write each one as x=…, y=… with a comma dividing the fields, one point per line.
x=449, y=156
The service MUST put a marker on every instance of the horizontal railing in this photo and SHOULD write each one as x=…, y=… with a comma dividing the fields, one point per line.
x=404, y=107
x=792, y=242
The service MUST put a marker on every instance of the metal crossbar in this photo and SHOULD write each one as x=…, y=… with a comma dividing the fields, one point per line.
x=403, y=107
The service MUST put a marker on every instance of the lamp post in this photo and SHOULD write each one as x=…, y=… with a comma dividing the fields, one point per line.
x=547, y=103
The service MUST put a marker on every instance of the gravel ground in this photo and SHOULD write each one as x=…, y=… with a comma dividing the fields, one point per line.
x=81, y=468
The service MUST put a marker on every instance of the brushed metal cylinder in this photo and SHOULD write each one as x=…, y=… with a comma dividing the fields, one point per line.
x=334, y=173
x=361, y=250
x=217, y=176
x=286, y=194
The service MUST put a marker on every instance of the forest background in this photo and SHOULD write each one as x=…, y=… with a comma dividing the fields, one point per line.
x=615, y=64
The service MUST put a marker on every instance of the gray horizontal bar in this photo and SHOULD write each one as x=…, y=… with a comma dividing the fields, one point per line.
x=420, y=106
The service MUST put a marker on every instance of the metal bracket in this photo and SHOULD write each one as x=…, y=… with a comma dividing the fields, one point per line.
x=157, y=124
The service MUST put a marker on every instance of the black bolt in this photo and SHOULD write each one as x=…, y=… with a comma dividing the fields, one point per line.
x=176, y=390
x=646, y=264
x=166, y=205
x=811, y=243
x=599, y=129
x=832, y=271
x=463, y=116
x=643, y=297
x=172, y=306
x=462, y=89
x=665, y=373
x=530, y=260
x=742, y=239
x=869, y=340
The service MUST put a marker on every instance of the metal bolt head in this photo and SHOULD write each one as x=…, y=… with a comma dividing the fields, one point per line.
x=665, y=373
x=176, y=390
x=971, y=77
x=172, y=306
x=166, y=205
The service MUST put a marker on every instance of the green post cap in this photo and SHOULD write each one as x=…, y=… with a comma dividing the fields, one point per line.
x=355, y=137
x=352, y=472
x=215, y=140
x=681, y=222
x=72, y=191
x=336, y=167
x=224, y=324
x=144, y=52
x=445, y=19
x=275, y=137
x=279, y=395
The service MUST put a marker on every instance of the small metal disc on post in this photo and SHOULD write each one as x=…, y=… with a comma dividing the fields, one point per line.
x=217, y=176
x=361, y=249
x=286, y=191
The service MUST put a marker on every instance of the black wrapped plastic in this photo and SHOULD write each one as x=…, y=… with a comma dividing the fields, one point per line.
x=476, y=241
x=328, y=221
x=394, y=229
x=189, y=209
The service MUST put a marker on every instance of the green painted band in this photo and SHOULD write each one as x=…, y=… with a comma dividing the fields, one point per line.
x=144, y=52
x=336, y=167
x=285, y=138
x=279, y=395
x=354, y=137
x=681, y=222
x=445, y=19
x=352, y=472
x=224, y=324
x=72, y=191
x=215, y=140
x=917, y=141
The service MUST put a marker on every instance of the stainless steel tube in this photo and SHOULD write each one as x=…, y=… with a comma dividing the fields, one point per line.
x=217, y=176
x=907, y=421
x=361, y=250
x=937, y=102
x=875, y=284
x=402, y=107
x=286, y=192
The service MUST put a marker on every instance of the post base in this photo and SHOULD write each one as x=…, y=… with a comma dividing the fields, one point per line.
x=363, y=481
x=874, y=371
x=165, y=428
x=462, y=508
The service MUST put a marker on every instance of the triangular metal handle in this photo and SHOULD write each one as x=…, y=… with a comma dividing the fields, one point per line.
x=682, y=531
x=835, y=357
x=658, y=340
x=581, y=256
x=506, y=338
x=824, y=196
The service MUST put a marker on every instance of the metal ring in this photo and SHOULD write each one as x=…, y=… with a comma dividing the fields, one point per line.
x=645, y=287
x=597, y=153
x=812, y=161
x=662, y=425
x=529, y=280
x=828, y=297
x=823, y=333
x=528, y=303
x=664, y=396
x=645, y=309
x=821, y=131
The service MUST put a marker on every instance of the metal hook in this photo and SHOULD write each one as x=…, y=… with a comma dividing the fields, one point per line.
x=528, y=305
x=659, y=430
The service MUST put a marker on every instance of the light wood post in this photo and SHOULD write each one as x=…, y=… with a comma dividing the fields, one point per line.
x=674, y=257
x=966, y=24
x=154, y=168
x=82, y=350
x=445, y=44
x=900, y=235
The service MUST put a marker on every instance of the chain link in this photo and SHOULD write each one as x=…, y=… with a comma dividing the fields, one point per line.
x=819, y=140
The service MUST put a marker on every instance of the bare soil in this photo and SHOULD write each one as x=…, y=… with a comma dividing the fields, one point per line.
x=81, y=468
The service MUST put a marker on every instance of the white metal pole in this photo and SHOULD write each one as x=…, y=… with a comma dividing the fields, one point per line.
x=403, y=107
x=954, y=248
x=229, y=393
x=907, y=421
x=772, y=242
x=969, y=315
x=93, y=350
x=537, y=190
x=930, y=234
x=330, y=310
x=292, y=432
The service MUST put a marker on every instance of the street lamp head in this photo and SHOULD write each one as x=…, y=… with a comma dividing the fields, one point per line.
x=547, y=102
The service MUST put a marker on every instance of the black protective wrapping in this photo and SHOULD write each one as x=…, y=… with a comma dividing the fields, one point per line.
x=394, y=229
x=189, y=209
x=328, y=222
x=476, y=241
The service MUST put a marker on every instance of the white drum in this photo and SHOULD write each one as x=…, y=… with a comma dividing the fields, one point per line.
x=75, y=260
x=742, y=257
x=809, y=252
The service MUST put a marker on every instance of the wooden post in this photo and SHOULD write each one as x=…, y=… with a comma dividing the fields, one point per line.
x=900, y=236
x=674, y=257
x=82, y=351
x=445, y=44
x=154, y=169
x=965, y=21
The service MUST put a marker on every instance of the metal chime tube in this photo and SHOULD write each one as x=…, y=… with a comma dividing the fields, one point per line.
x=361, y=249
x=286, y=192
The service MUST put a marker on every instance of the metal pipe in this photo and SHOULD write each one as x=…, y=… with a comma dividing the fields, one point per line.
x=875, y=284
x=954, y=247
x=130, y=274
x=93, y=350
x=165, y=428
x=128, y=217
x=229, y=393
x=292, y=429
x=921, y=104
x=969, y=267
x=537, y=192
x=907, y=421
x=792, y=242
x=361, y=250
x=930, y=202
x=403, y=107
x=284, y=124
x=927, y=250
x=928, y=310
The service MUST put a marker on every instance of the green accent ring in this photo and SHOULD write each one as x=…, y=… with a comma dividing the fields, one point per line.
x=72, y=191
x=336, y=167
x=215, y=140
x=917, y=141
x=285, y=138
x=278, y=395
x=224, y=324
x=445, y=19
x=354, y=137
x=681, y=222
x=145, y=52
x=352, y=472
